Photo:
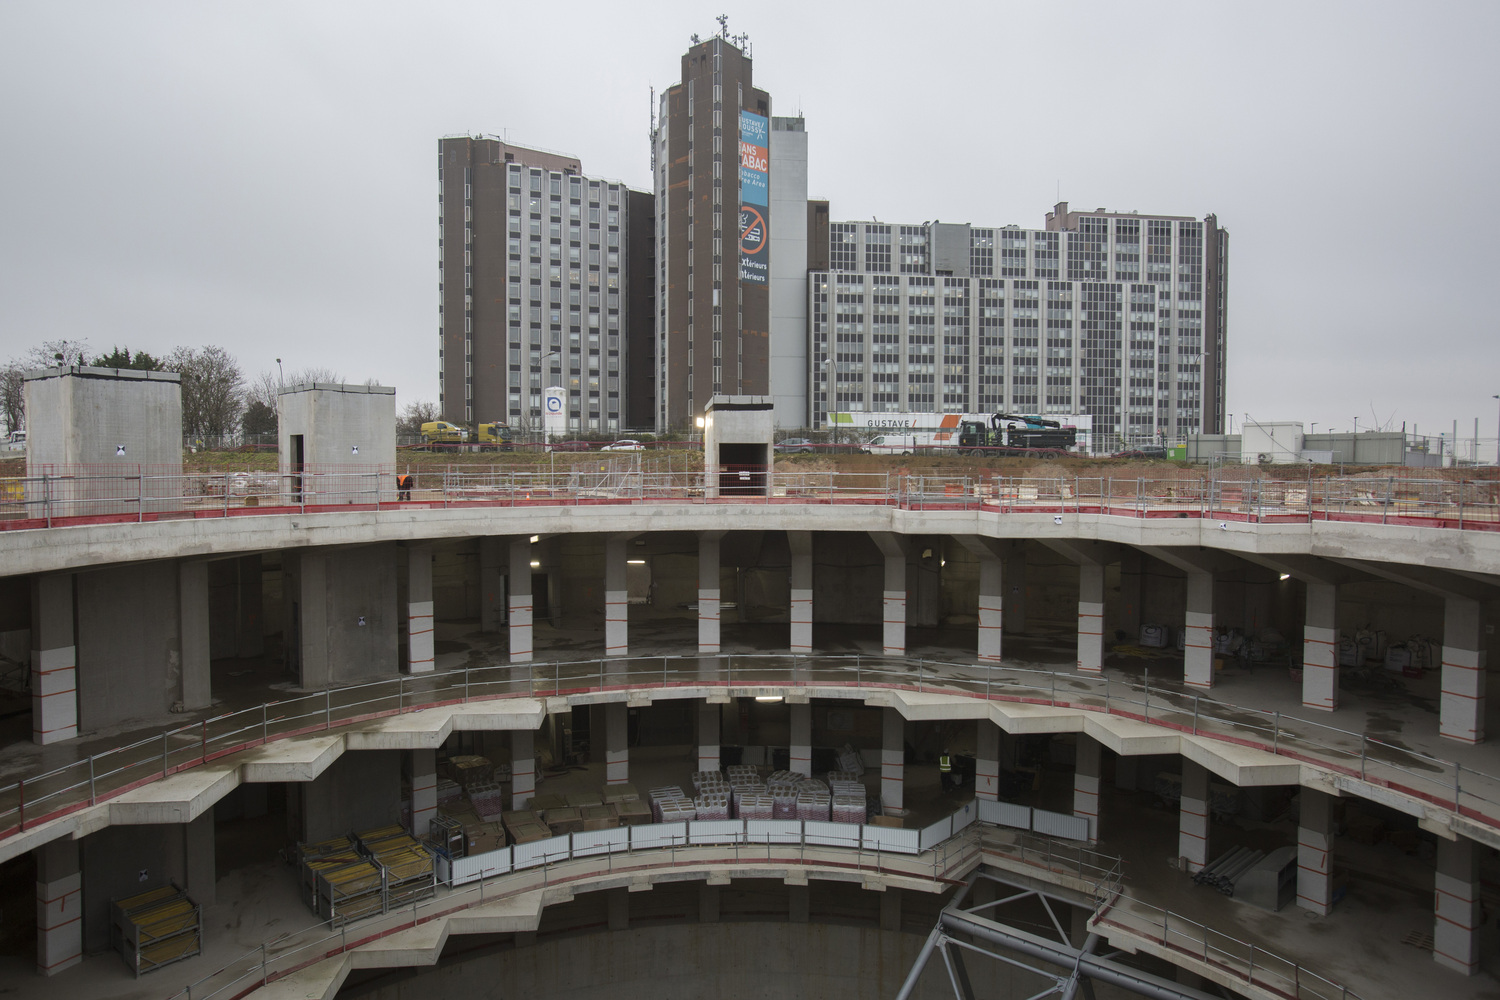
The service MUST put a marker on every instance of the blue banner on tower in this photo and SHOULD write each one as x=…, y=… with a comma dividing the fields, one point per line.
x=755, y=198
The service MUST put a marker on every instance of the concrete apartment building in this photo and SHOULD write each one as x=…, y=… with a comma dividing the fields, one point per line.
x=711, y=152
x=535, y=287
x=1119, y=316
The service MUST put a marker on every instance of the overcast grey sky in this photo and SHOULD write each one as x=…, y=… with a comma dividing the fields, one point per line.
x=263, y=175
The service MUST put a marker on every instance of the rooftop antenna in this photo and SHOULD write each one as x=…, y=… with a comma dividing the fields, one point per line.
x=652, y=135
x=723, y=20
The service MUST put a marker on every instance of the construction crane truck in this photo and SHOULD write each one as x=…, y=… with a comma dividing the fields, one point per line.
x=1015, y=434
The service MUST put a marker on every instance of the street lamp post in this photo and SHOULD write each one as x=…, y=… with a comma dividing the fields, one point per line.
x=280, y=378
x=1497, y=439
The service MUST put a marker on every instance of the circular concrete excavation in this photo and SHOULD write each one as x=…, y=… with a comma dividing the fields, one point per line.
x=750, y=940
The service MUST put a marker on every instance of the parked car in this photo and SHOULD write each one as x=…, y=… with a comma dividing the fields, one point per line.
x=16, y=442
x=797, y=446
x=624, y=444
x=569, y=446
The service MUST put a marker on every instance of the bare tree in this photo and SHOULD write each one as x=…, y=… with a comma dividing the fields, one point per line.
x=414, y=416
x=212, y=392
x=12, y=395
x=51, y=353
x=48, y=354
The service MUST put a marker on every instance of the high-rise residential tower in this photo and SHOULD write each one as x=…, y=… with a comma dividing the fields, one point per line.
x=534, y=286
x=711, y=165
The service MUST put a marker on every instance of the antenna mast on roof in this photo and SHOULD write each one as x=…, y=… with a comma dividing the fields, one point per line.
x=652, y=134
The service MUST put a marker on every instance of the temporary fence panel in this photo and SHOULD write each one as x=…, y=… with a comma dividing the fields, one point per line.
x=716, y=831
x=1005, y=814
x=658, y=835
x=773, y=831
x=936, y=833
x=1060, y=824
x=461, y=870
x=967, y=814
x=885, y=838
x=540, y=852
x=601, y=841
x=831, y=834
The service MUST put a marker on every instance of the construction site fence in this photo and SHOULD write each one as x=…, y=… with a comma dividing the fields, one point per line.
x=59, y=495
x=101, y=777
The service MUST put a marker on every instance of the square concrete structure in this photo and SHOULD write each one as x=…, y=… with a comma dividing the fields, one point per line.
x=337, y=442
x=102, y=420
x=738, y=437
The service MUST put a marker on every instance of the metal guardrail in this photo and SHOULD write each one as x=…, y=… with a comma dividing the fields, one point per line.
x=60, y=791
x=81, y=495
x=945, y=862
x=1247, y=963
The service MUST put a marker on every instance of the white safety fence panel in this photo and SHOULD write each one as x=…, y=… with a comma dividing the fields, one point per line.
x=658, y=835
x=601, y=841
x=540, y=852
x=1005, y=814
x=479, y=866
x=716, y=831
x=965, y=816
x=831, y=834
x=773, y=831
x=936, y=833
x=1060, y=824
x=896, y=841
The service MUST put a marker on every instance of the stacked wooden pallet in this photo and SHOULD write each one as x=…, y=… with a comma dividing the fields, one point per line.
x=405, y=864
x=156, y=928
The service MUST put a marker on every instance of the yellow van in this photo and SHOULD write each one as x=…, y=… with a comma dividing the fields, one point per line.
x=442, y=432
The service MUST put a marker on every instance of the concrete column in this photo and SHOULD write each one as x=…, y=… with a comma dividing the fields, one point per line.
x=1461, y=715
x=802, y=590
x=798, y=905
x=423, y=790
x=618, y=903
x=616, y=743
x=1320, y=648
x=801, y=741
x=987, y=761
x=1132, y=590
x=991, y=607
x=1090, y=618
x=1198, y=652
x=420, y=657
x=199, y=865
x=1015, y=591
x=893, y=549
x=708, y=903
x=59, y=907
x=522, y=767
x=708, y=737
x=54, y=660
x=890, y=909
x=1086, y=783
x=520, y=600
x=1192, y=825
x=249, y=637
x=1456, y=906
x=708, y=591
x=492, y=559
x=892, y=758
x=1315, y=852
x=616, y=599
x=192, y=635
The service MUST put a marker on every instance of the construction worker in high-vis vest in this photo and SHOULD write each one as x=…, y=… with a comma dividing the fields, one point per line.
x=945, y=770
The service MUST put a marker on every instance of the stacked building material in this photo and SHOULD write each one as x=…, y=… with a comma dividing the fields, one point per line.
x=1222, y=872
x=325, y=855
x=712, y=805
x=566, y=819
x=850, y=761
x=406, y=865
x=661, y=794
x=742, y=784
x=848, y=808
x=488, y=800
x=633, y=812
x=156, y=928
x=600, y=817
x=784, y=803
x=615, y=794
x=448, y=790
x=541, y=803
x=525, y=826
x=813, y=804
x=468, y=769
x=754, y=805
x=741, y=771
x=837, y=776
x=351, y=892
